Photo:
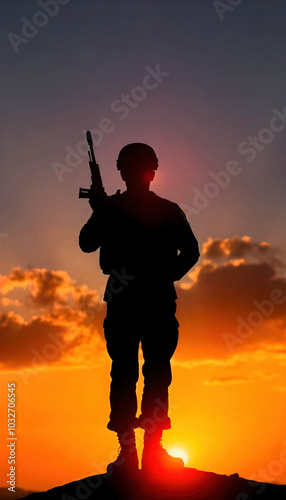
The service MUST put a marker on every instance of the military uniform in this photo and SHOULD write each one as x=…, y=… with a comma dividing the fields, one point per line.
x=146, y=243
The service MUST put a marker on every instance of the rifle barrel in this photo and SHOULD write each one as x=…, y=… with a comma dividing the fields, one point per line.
x=95, y=172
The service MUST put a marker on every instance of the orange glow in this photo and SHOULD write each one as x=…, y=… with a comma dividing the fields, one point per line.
x=180, y=453
x=219, y=393
x=218, y=420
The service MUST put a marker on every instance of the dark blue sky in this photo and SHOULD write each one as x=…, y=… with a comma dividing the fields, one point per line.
x=224, y=79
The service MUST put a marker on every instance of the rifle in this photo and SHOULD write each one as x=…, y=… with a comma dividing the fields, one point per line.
x=96, y=188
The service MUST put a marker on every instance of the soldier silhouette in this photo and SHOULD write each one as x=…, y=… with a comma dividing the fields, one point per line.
x=146, y=244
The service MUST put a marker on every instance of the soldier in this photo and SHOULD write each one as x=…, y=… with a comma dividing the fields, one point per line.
x=146, y=244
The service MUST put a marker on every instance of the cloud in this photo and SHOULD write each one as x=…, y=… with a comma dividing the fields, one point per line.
x=275, y=354
x=267, y=376
x=241, y=248
x=58, y=320
x=22, y=342
x=226, y=381
x=233, y=304
x=232, y=247
x=236, y=301
x=46, y=288
x=5, y=301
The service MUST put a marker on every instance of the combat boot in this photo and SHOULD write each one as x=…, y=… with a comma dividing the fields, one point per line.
x=127, y=460
x=155, y=459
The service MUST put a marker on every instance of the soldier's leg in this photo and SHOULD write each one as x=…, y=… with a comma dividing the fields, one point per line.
x=158, y=345
x=122, y=346
x=159, y=342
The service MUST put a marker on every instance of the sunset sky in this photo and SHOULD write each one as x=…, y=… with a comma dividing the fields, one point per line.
x=206, y=89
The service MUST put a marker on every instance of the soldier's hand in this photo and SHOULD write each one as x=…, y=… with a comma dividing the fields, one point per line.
x=95, y=202
x=97, y=197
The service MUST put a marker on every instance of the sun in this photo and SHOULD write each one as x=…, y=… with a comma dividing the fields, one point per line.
x=179, y=452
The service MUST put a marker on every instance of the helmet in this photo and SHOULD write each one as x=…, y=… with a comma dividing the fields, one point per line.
x=138, y=155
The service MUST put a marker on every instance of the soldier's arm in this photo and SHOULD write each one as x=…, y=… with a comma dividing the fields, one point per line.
x=187, y=246
x=92, y=234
